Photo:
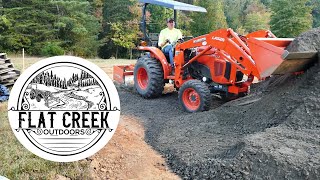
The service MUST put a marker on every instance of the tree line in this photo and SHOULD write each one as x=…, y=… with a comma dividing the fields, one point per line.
x=50, y=79
x=109, y=28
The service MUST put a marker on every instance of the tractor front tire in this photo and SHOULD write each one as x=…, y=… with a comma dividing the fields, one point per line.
x=195, y=96
x=148, y=77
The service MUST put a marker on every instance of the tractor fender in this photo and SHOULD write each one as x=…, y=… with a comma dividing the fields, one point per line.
x=158, y=54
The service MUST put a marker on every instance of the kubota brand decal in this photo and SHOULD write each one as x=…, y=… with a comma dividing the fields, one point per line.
x=218, y=39
x=199, y=40
x=64, y=109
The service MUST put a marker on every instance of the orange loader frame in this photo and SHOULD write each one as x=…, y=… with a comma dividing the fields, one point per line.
x=258, y=54
x=229, y=46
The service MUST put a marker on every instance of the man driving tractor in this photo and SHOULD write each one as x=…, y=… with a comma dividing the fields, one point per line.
x=168, y=37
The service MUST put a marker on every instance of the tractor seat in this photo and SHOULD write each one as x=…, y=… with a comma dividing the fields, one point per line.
x=153, y=37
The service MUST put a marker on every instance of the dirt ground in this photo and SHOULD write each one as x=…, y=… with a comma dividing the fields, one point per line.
x=127, y=156
x=271, y=134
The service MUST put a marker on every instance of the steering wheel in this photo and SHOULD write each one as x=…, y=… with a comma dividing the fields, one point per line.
x=181, y=40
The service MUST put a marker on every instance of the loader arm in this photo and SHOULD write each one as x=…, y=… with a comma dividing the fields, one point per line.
x=258, y=54
x=231, y=47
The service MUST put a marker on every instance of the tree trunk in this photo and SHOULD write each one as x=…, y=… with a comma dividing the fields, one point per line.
x=130, y=53
x=117, y=53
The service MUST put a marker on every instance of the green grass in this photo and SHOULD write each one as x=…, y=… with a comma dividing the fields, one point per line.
x=103, y=63
x=16, y=162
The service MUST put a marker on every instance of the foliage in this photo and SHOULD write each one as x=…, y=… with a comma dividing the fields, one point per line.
x=257, y=17
x=51, y=49
x=315, y=4
x=235, y=13
x=214, y=19
x=121, y=26
x=123, y=35
x=157, y=18
x=111, y=28
x=267, y=3
x=290, y=18
x=32, y=25
x=77, y=27
x=247, y=15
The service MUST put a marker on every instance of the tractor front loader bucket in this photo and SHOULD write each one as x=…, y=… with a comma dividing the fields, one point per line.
x=271, y=58
x=121, y=71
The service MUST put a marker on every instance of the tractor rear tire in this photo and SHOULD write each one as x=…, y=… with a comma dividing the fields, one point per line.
x=195, y=96
x=148, y=77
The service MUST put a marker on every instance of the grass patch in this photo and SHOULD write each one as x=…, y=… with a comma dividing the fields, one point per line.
x=16, y=162
x=102, y=63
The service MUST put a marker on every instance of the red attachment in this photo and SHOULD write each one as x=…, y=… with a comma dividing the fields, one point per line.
x=191, y=99
x=120, y=72
x=142, y=78
x=267, y=53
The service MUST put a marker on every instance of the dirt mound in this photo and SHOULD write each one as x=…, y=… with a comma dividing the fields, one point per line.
x=274, y=134
x=270, y=134
x=308, y=41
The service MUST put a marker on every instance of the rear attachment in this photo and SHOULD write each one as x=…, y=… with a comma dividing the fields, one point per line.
x=120, y=73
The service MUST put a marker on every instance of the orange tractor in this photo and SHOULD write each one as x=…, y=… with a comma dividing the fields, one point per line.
x=219, y=62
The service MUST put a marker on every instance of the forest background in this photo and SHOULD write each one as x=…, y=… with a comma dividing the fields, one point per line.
x=110, y=28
